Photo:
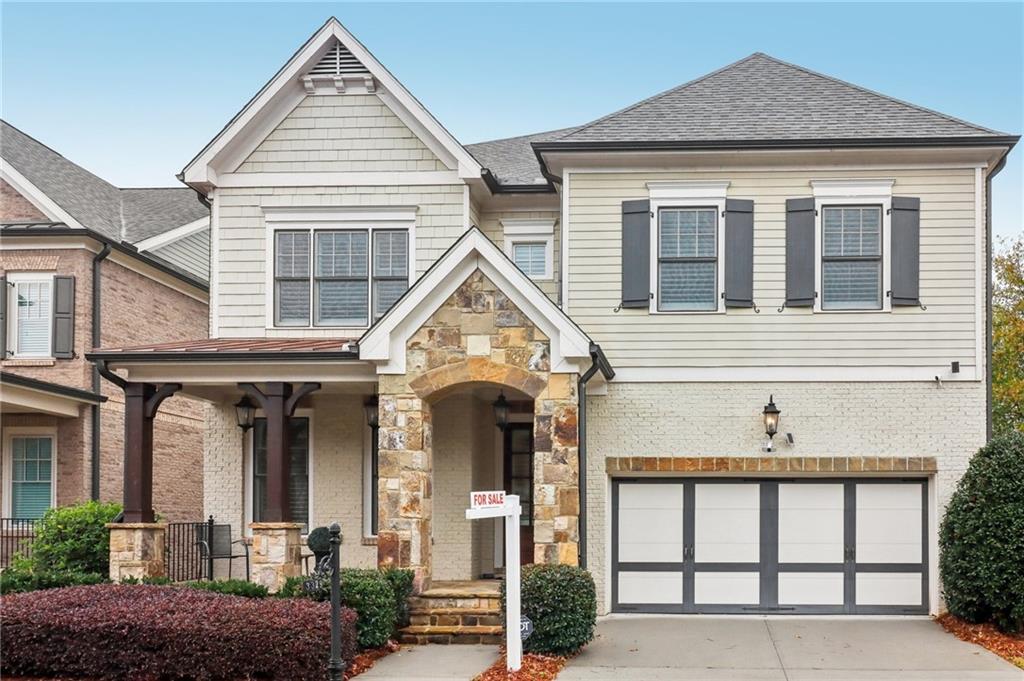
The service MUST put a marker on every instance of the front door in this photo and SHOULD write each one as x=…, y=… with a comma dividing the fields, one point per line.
x=519, y=480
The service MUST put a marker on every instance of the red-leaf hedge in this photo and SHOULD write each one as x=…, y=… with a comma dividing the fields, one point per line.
x=150, y=633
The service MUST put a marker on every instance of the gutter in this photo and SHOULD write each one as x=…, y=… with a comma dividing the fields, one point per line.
x=497, y=188
x=97, y=328
x=988, y=292
x=598, y=363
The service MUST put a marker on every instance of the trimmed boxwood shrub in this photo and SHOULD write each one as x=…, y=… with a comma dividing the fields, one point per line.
x=232, y=587
x=368, y=592
x=75, y=538
x=981, y=540
x=117, y=631
x=561, y=601
x=22, y=576
x=400, y=580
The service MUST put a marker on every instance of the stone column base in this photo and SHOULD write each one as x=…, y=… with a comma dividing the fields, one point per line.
x=137, y=550
x=276, y=553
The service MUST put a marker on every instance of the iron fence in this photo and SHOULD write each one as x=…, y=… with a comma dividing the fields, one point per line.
x=16, y=537
x=185, y=559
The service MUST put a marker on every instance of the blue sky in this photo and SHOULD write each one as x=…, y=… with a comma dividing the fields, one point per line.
x=132, y=91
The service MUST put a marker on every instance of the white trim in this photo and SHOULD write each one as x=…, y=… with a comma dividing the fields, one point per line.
x=173, y=235
x=832, y=193
x=528, y=226
x=228, y=374
x=214, y=300
x=980, y=273
x=384, y=343
x=737, y=167
x=35, y=196
x=333, y=179
x=688, y=190
x=248, y=442
x=283, y=92
x=794, y=374
x=531, y=230
x=8, y=460
x=334, y=218
x=20, y=399
x=564, y=225
x=12, y=312
x=467, y=219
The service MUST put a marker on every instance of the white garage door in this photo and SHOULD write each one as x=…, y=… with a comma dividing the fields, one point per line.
x=800, y=546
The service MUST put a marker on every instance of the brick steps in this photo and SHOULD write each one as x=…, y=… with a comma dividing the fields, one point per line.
x=455, y=612
x=451, y=634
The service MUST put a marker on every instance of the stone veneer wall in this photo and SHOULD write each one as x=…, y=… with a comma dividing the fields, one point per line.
x=477, y=336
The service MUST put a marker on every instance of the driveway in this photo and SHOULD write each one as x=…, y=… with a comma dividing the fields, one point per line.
x=708, y=648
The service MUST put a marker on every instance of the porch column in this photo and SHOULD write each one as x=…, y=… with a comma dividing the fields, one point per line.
x=556, y=473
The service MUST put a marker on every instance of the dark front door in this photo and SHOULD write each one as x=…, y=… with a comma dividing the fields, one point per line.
x=519, y=480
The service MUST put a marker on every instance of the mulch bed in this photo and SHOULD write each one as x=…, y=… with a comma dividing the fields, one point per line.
x=1007, y=646
x=535, y=668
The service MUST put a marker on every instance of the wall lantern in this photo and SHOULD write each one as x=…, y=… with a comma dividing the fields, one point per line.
x=501, y=411
x=245, y=413
x=771, y=419
x=371, y=411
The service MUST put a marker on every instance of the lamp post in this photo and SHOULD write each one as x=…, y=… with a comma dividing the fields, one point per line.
x=771, y=420
x=501, y=411
x=336, y=667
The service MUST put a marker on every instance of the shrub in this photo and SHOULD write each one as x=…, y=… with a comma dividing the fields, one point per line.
x=292, y=588
x=371, y=596
x=118, y=631
x=561, y=602
x=232, y=587
x=981, y=539
x=22, y=576
x=401, y=584
x=75, y=538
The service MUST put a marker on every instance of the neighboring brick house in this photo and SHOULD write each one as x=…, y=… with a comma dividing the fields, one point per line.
x=634, y=300
x=62, y=230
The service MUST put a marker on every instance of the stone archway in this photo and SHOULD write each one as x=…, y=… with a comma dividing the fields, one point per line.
x=476, y=336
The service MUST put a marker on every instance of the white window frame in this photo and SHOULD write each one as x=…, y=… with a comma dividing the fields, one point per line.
x=247, y=468
x=531, y=231
x=839, y=193
x=8, y=462
x=16, y=278
x=688, y=194
x=332, y=219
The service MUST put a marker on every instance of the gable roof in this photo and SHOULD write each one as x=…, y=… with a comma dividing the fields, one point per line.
x=759, y=99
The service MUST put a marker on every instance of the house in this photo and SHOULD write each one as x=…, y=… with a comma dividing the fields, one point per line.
x=640, y=302
x=84, y=263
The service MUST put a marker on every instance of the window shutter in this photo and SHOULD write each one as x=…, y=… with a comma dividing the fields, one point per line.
x=4, y=295
x=63, y=317
x=800, y=252
x=636, y=253
x=739, y=253
x=906, y=250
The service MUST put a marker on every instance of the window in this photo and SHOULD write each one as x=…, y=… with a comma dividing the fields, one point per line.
x=31, y=475
x=529, y=243
x=30, y=305
x=851, y=257
x=334, y=285
x=298, y=485
x=530, y=257
x=687, y=259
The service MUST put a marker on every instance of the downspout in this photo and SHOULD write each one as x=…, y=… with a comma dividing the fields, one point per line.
x=97, y=328
x=988, y=293
x=598, y=363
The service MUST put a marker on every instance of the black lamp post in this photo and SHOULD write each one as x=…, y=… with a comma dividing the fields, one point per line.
x=771, y=418
x=245, y=413
x=501, y=411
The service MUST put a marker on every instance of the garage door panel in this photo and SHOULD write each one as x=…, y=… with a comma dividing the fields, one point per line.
x=811, y=523
x=651, y=588
x=736, y=507
x=811, y=588
x=650, y=523
x=727, y=588
x=876, y=588
x=889, y=523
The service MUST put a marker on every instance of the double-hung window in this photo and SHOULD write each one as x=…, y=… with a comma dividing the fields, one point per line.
x=687, y=259
x=30, y=306
x=338, y=277
x=298, y=483
x=31, y=475
x=851, y=258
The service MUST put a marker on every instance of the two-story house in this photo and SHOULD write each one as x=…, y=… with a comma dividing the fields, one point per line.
x=84, y=263
x=638, y=304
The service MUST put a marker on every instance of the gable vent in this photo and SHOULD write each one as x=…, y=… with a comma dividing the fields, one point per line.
x=338, y=62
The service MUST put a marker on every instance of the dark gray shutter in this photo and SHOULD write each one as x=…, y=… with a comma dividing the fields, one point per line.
x=799, y=252
x=4, y=295
x=63, y=317
x=906, y=250
x=636, y=253
x=739, y=253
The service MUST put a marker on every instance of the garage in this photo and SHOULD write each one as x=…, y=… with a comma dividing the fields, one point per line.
x=801, y=546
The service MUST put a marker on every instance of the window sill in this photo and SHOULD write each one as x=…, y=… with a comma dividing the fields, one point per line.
x=29, y=362
x=369, y=541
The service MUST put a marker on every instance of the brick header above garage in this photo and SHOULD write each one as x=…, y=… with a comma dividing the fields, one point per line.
x=771, y=464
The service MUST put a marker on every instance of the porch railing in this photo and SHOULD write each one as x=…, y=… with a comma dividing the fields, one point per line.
x=184, y=556
x=16, y=537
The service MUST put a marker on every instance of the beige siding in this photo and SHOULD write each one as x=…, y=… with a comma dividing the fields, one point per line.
x=490, y=224
x=350, y=133
x=906, y=337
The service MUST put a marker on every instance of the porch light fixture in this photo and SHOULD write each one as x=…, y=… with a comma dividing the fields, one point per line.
x=771, y=420
x=245, y=413
x=370, y=409
x=501, y=411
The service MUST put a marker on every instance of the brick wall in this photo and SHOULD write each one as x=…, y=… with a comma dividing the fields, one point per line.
x=826, y=419
x=14, y=206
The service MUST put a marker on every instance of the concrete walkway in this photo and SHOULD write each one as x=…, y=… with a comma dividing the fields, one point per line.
x=433, y=663
x=708, y=648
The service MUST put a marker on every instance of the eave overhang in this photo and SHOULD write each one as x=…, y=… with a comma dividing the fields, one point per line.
x=24, y=395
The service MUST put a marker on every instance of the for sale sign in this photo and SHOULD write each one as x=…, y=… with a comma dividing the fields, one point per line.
x=492, y=499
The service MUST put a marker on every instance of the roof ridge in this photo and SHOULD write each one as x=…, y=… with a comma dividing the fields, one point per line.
x=520, y=137
x=669, y=91
x=875, y=93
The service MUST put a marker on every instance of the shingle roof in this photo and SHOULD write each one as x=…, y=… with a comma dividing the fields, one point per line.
x=120, y=214
x=758, y=98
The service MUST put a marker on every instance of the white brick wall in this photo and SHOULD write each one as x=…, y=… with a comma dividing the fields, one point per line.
x=826, y=419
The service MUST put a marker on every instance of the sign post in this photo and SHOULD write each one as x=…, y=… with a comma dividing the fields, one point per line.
x=495, y=504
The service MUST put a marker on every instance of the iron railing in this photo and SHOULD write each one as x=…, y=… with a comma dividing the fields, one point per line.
x=16, y=537
x=184, y=555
